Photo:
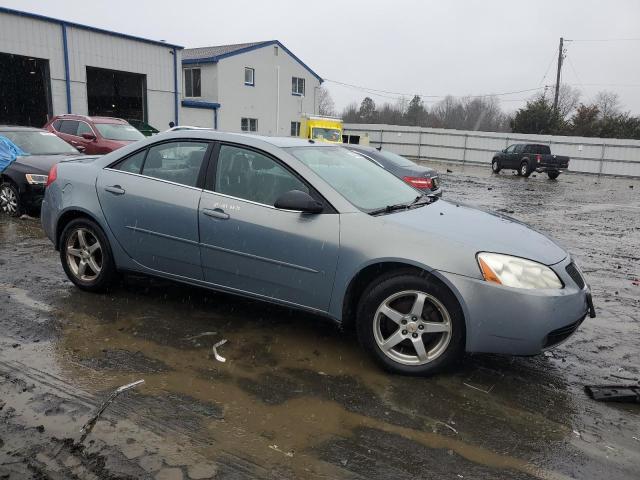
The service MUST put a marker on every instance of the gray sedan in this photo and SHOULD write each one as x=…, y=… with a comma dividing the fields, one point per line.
x=303, y=225
x=423, y=178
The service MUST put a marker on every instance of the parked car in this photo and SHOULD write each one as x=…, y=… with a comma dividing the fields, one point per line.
x=143, y=127
x=423, y=178
x=22, y=182
x=527, y=158
x=94, y=135
x=303, y=225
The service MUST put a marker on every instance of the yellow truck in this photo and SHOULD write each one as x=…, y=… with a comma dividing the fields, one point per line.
x=321, y=129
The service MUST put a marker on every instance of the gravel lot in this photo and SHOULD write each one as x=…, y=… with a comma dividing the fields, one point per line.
x=296, y=397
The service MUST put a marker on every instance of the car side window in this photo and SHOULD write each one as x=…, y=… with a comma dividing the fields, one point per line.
x=249, y=175
x=510, y=149
x=70, y=127
x=132, y=164
x=83, y=128
x=178, y=162
x=518, y=148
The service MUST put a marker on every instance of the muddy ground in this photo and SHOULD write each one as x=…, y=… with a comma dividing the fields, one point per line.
x=297, y=398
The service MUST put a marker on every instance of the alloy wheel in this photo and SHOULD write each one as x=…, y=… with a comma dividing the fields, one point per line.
x=84, y=254
x=412, y=327
x=524, y=169
x=8, y=200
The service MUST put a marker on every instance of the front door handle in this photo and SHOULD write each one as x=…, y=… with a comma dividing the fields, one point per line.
x=216, y=213
x=115, y=189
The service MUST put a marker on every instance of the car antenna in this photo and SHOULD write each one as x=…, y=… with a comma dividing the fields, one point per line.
x=379, y=148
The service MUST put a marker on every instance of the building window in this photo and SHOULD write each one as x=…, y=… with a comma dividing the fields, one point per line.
x=249, y=124
x=192, y=82
x=295, y=129
x=297, y=86
x=249, y=76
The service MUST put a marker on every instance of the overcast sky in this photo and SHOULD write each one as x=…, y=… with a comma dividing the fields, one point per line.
x=428, y=47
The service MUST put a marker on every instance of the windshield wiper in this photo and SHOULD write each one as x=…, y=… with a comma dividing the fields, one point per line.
x=417, y=202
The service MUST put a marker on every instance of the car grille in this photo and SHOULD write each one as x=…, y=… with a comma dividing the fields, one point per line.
x=435, y=183
x=561, y=334
x=575, y=275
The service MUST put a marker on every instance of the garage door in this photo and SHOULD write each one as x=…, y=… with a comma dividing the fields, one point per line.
x=113, y=93
x=25, y=97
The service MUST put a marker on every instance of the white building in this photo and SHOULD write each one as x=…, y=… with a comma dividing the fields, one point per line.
x=50, y=66
x=257, y=87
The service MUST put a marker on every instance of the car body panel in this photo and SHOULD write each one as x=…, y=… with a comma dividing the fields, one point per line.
x=309, y=261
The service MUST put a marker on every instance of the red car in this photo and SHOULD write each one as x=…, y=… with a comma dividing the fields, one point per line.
x=93, y=135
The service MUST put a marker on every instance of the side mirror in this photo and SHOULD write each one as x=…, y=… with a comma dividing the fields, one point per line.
x=298, y=201
x=88, y=136
x=80, y=148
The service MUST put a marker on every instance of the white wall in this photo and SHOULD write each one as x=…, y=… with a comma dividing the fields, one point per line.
x=607, y=156
x=43, y=39
x=260, y=101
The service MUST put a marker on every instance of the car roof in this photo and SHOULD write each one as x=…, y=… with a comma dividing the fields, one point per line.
x=97, y=119
x=210, y=134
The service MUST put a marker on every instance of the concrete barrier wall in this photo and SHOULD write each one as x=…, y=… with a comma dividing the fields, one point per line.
x=606, y=156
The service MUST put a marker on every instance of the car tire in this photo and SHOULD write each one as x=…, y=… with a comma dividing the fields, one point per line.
x=553, y=174
x=495, y=166
x=440, y=328
x=86, y=256
x=524, y=170
x=10, y=202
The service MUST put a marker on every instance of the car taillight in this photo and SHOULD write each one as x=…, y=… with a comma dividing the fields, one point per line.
x=53, y=174
x=419, y=182
x=538, y=158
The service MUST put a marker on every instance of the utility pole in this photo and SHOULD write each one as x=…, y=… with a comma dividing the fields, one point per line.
x=560, y=58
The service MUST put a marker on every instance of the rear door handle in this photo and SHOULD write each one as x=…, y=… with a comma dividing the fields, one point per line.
x=115, y=189
x=216, y=213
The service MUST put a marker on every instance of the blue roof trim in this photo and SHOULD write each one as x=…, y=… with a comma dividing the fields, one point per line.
x=191, y=61
x=20, y=13
x=198, y=104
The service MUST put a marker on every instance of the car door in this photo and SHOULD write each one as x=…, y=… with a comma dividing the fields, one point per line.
x=517, y=154
x=248, y=245
x=150, y=200
x=68, y=130
x=88, y=146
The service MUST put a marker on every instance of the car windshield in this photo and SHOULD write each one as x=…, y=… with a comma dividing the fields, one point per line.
x=39, y=143
x=364, y=184
x=329, y=134
x=119, y=131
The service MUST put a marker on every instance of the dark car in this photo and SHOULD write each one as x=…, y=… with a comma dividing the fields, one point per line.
x=423, y=178
x=23, y=182
x=527, y=158
x=143, y=127
x=94, y=135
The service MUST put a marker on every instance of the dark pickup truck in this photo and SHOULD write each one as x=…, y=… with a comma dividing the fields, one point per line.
x=529, y=157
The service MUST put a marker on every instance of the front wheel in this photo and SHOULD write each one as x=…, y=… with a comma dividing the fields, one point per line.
x=86, y=255
x=10, y=200
x=524, y=170
x=553, y=174
x=495, y=166
x=410, y=325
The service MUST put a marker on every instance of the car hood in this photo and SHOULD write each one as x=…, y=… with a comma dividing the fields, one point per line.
x=478, y=231
x=42, y=163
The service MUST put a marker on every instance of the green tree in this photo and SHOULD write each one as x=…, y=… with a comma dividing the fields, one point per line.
x=537, y=117
x=367, y=112
x=585, y=122
x=416, y=114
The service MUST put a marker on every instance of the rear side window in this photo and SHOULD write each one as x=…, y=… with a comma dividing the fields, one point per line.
x=133, y=164
x=178, y=162
x=69, y=127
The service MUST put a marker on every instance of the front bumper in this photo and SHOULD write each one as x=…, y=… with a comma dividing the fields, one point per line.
x=520, y=322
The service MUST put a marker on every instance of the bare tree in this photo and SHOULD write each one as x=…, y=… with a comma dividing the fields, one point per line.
x=568, y=100
x=325, y=102
x=608, y=103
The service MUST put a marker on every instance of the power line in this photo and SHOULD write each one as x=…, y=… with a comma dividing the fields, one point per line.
x=404, y=94
x=604, y=40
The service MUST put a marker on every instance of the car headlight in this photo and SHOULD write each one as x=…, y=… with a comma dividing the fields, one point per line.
x=516, y=272
x=36, y=179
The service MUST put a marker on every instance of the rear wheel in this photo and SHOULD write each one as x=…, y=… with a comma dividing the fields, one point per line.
x=86, y=255
x=553, y=174
x=495, y=166
x=10, y=200
x=410, y=325
x=524, y=170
